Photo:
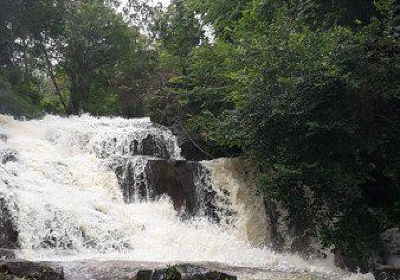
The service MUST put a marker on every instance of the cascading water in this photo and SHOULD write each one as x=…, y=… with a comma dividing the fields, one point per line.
x=84, y=188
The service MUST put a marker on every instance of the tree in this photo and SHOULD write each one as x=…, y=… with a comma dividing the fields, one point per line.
x=313, y=101
x=178, y=31
x=95, y=42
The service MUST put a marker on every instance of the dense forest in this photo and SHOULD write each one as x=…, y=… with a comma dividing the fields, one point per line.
x=307, y=90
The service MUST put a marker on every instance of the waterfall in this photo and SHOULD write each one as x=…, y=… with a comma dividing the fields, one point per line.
x=82, y=188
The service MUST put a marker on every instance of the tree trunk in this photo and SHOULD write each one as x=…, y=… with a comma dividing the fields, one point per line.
x=53, y=78
x=79, y=87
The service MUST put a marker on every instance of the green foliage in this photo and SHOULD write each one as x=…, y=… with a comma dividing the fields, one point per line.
x=310, y=91
x=221, y=15
x=178, y=30
x=70, y=45
x=172, y=273
x=14, y=100
x=101, y=102
x=307, y=89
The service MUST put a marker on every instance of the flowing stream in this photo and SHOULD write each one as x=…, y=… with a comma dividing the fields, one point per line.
x=80, y=188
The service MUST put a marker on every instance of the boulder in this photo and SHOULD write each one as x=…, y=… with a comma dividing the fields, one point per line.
x=30, y=270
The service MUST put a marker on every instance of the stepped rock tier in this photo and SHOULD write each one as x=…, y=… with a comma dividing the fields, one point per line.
x=82, y=194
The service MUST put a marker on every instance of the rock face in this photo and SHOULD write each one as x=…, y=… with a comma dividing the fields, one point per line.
x=150, y=146
x=175, y=179
x=8, y=230
x=389, y=266
x=391, y=244
x=16, y=269
x=150, y=178
x=184, y=182
x=287, y=234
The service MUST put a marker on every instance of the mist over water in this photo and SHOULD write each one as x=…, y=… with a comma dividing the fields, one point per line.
x=68, y=205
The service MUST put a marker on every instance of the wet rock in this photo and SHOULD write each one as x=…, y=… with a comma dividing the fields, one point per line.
x=288, y=233
x=8, y=229
x=183, y=272
x=185, y=182
x=7, y=155
x=151, y=146
x=7, y=254
x=301, y=244
x=30, y=270
x=192, y=272
x=121, y=270
x=387, y=272
x=144, y=275
x=3, y=137
x=150, y=178
x=175, y=179
x=391, y=246
x=345, y=260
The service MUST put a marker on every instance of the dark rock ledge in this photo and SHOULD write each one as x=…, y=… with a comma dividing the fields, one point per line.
x=22, y=269
x=183, y=272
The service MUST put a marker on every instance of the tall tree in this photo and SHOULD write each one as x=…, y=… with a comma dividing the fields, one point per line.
x=96, y=40
x=178, y=31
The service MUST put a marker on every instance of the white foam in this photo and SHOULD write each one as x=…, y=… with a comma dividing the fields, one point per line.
x=62, y=196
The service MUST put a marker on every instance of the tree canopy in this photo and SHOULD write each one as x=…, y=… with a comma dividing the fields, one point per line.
x=307, y=90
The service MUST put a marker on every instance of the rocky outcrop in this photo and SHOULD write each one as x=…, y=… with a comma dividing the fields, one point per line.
x=387, y=272
x=8, y=229
x=175, y=179
x=150, y=146
x=288, y=234
x=16, y=269
x=150, y=178
x=184, y=182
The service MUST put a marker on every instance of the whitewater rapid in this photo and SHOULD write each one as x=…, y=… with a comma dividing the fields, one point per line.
x=67, y=204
